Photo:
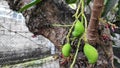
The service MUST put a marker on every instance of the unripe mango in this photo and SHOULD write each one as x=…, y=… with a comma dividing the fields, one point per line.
x=91, y=53
x=78, y=29
x=66, y=50
x=75, y=33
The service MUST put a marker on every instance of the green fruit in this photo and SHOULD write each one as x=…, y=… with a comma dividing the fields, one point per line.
x=66, y=50
x=78, y=29
x=75, y=33
x=91, y=53
x=71, y=1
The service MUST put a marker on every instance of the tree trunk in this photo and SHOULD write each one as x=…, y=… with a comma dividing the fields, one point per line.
x=94, y=21
x=41, y=18
x=96, y=36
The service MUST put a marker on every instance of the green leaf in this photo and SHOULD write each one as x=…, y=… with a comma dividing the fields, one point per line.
x=118, y=12
x=71, y=1
x=29, y=5
x=105, y=1
x=88, y=1
x=108, y=6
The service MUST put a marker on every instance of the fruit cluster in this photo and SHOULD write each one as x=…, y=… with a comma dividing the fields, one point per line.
x=89, y=51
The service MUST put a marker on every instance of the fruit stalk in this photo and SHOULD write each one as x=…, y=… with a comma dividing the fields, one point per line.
x=78, y=45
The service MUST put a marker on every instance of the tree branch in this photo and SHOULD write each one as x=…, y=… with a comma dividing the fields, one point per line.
x=94, y=20
x=41, y=17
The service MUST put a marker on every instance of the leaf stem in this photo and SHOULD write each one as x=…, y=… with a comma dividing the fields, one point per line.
x=58, y=25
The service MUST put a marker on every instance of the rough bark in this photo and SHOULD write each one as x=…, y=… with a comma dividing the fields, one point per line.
x=40, y=18
x=94, y=21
